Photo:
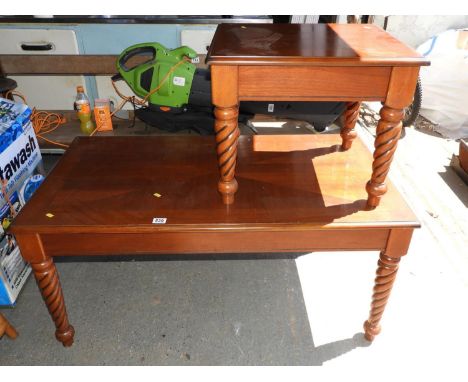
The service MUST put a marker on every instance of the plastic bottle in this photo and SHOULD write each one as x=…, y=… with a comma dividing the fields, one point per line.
x=84, y=111
x=102, y=114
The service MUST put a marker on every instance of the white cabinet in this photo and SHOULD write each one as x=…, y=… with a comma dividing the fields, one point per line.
x=197, y=39
x=106, y=90
x=44, y=92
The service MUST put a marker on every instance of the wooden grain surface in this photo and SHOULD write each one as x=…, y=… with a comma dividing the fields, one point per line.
x=214, y=241
x=107, y=184
x=58, y=64
x=7, y=328
x=67, y=64
x=67, y=132
x=304, y=83
x=309, y=44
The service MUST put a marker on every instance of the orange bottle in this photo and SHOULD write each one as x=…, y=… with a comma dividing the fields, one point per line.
x=84, y=111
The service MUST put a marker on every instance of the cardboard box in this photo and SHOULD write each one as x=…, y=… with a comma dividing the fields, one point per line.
x=21, y=174
x=14, y=271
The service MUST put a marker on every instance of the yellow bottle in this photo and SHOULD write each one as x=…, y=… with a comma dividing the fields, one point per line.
x=84, y=111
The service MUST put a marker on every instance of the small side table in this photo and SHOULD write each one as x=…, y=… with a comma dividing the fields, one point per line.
x=311, y=62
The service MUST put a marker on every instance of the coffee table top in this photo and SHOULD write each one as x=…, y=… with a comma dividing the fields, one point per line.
x=309, y=44
x=119, y=184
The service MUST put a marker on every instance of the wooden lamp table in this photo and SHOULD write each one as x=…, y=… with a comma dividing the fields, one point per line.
x=311, y=62
x=155, y=195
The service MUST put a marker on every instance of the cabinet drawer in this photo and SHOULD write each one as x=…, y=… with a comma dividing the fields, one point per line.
x=44, y=92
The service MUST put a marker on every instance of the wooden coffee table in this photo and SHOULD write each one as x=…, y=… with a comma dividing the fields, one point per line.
x=311, y=62
x=156, y=195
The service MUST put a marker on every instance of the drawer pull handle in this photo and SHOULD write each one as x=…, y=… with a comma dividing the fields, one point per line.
x=37, y=47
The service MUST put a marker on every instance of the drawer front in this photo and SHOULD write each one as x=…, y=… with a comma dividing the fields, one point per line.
x=299, y=83
x=44, y=92
x=214, y=242
x=38, y=41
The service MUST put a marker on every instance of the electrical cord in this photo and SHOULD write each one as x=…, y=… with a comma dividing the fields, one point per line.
x=43, y=122
x=46, y=122
x=140, y=102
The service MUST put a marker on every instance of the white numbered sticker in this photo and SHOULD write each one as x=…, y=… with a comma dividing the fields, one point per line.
x=179, y=81
x=159, y=220
x=271, y=107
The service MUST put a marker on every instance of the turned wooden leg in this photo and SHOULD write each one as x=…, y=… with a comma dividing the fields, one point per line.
x=227, y=133
x=49, y=285
x=388, y=134
x=348, y=134
x=386, y=273
x=6, y=328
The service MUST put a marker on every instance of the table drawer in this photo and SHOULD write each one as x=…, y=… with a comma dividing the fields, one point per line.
x=299, y=83
x=305, y=240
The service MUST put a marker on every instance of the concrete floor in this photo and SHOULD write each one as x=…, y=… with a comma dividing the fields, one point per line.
x=424, y=326
x=307, y=311
x=226, y=312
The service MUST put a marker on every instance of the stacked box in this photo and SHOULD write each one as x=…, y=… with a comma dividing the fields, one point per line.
x=21, y=173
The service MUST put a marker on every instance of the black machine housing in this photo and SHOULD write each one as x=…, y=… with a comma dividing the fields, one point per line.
x=198, y=113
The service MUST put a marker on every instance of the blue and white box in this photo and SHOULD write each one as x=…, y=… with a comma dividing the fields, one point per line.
x=11, y=111
x=14, y=271
x=21, y=174
x=13, y=118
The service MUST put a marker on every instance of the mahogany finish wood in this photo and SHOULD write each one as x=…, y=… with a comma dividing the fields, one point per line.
x=314, y=62
x=227, y=132
x=348, y=134
x=49, y=285
x=300, y=193
x=14, y=64
x=303, y=83
x=309, y=44
x=397, y=245
x=7, y=328
x=66, y=64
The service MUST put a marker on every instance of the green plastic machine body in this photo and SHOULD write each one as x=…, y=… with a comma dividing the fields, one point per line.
x=146, y=76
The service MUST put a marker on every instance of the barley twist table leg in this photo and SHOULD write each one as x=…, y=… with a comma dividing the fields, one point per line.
x=49, y=285
x=386, y=273
x=227, y=134
x=6, y=328
x=348, y=134
x=388, y=134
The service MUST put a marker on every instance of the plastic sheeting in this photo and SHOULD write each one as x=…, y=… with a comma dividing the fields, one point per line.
x=445, y=83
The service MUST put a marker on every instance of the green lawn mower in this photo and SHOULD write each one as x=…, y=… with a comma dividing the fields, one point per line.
x=179, y=94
